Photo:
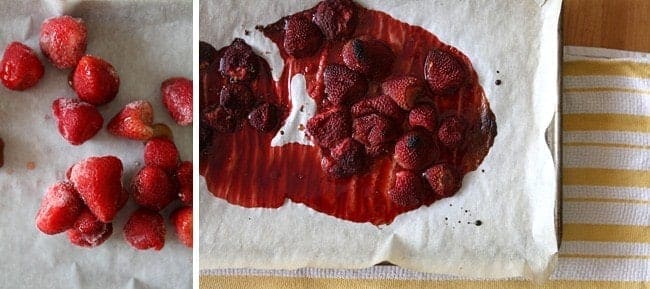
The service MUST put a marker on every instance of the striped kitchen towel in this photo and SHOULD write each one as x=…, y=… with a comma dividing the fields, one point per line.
x=606, y=186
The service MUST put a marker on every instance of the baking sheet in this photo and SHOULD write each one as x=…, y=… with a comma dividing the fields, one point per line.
x=513, y=192
x=147, y=42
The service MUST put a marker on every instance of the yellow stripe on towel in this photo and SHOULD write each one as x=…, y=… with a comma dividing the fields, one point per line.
x=606, y=233
x=606, y=122
x=605, y=177
x=616, y=68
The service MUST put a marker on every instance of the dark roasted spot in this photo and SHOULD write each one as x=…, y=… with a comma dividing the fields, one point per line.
x=478, y=222
x=498, y=82
x=357, y=49
x=413, y=141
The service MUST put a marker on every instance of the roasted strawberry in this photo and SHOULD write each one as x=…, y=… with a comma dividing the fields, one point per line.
x=176, y=95
x=20, y=68
x=184, y=178
x=162, y=153
x=265, y=118
x=60, y=207
x=153, y=188
x=207, y=55
x=406, y=91
x=382, y=105
x=76, y=120
x=329, y=128
x=408, y=190
x=371, y=57
x=220, y=119
x=424, y=116
x=302, y=37
x=239, y=62
x=181, y=218
x=63, y=40
x=415, y=150
x=99, y=183
x=347, y=159
x=88, y=231
x=95, y=81
x=452, y=131
x=444, y=72
x=443, y=179
x=145, y=229
x=236, y=97
x=343, y=86
x=336, y=18
x=133, y=121
x=373, y=130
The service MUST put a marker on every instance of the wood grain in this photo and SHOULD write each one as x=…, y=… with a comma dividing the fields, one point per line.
x=617, y=24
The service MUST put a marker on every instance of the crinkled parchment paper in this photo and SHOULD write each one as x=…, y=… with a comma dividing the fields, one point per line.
x=147, y=42
x=512, y=193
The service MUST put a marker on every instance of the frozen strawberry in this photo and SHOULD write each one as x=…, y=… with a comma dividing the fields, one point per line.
x=347, y=159
x=20, y=68
x=336, y=18
x=444, y=179
x=371, y=57
x=145, y=229
x=452, y=131
x=239, y=62
x=60, y=207
x=162, y=153
x=444, y=72
x=343, y=86
x=184, y=178
x=408, y=190
x=176, y=95
x=207, y=54
x=373, y=130
x=424, y=116
x=124, y=198
x=382, y=105
x=302, y=37
x=153, y=188
x=265, y=118
x=182, y=221
x=220, y=119
x=76, y=120
x=406, y=91
x=415, y=150
x=329, y=128
x=63, y=40
x=133, y=121
x=88, y=231
x=237, y=97
x=99, y=183
x=95, y=81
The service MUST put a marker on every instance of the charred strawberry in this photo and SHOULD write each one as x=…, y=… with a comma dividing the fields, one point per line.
x=239, y=62
x=444, y=72
x=95, y=81
x=237, y=97
x=343, y=86
x=60, y=207
x=63, y=40
x=336, y=18
x=145, y=229
x=20, y=68
x=415, y=150
x=176, y=95
x=265, y=118
x=302, y=37
x=371, y=57
x=220, y=119
x=329, y=128
x=76, y=120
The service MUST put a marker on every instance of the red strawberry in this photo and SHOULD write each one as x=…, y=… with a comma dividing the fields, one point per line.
x=153, y=188
x=408, y=190
x=452, y=131
x=330, y=127
x=124, y=197
x=176, y=95
x=59, y=208
x=182, y=221
x=343, y=86
x=133, y=121
x=20, y=68
x=302, y=37
x=145, y=229
x=239, y=62
x=220, y=119
x=63, y=40
x=424, y=116
x=336, y=18
x=265, y=118
x=237, y=97
x=99, y=183
x=162, y=153
x=347, y=159
x=88, y=231
x=184, y=177
x=406, y=91
x=415, y=150
x=382, y=105
x=95, y=81
x=77, y=121
x=373, y=130
x=207, y=54
x=444, y=72
x=371, y=57
x=444, y=179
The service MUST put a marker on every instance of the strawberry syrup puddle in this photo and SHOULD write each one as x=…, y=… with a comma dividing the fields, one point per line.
x=243, y=168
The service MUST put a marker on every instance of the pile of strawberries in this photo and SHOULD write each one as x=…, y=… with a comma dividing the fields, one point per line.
x=85, y=204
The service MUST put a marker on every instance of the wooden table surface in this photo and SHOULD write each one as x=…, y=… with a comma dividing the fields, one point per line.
x=617, y=24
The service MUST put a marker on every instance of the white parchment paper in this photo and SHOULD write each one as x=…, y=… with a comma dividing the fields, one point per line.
x=512, y=193
x=146, y=42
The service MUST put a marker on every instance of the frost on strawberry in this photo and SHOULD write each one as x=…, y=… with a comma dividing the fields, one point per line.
x=20, y=68
x=145, y=229
x=63, y=40
x=99, y=183
x=153, y=188
x=181, y=218
x=133, y=121
x=88, y=231
x=95, y=80
x=176, y=93
x=162, y=153
x=60, y=207
x=77, y=121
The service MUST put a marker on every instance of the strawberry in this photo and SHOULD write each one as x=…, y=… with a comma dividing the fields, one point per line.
x=371, y=57
x=373, y=130
x=347, y=158
x=302, y=37
x=220, y=119
x=265, y=118
x=415, y=150
x=99, y=183
x=382, y=105
x=330, y=127
x=424, y=116
x=184, y=178
x=239, y=62
x=133, y=121
x=20, y=68
x=408, y=190
x=95, y=81
x=444, y=179
x=153, y=188
x=145, y=229
x=76, y=120
x=59, y=208
x=124, y=197
x=452, y=131
x=176, y=95
x=444, y=72
x=63, y=40
x=406, y=91
x=343, y=86
x=207, y=54
x=162, y=153
x=336, y=18
x=237, y=97
x=181, y=218
x=88, y=231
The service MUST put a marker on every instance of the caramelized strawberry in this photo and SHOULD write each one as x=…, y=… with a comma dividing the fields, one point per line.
x=371, y=57
x=181, y=218
x=99, y=183
x=415, y=150
x=302, y=37
x=220, y=119
x=95, y=80
x=76, y=120
x=336, y=18
x=207, y=54
x=329, y=128
x=133, y=121
x=406, y=91
x=444, y=179
x=237, y=97
x=373, y=130
x=382, y=105
x=444, y=72
x=347, y=159
x=408, y=190
x=20, y=68
x=88, y=231
x=239, y=62
x=63, y=40
x=424, y=116
x=145, y=229
x=452, y=131
x=343, y=86
x=60, y=207
x=265, y=118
